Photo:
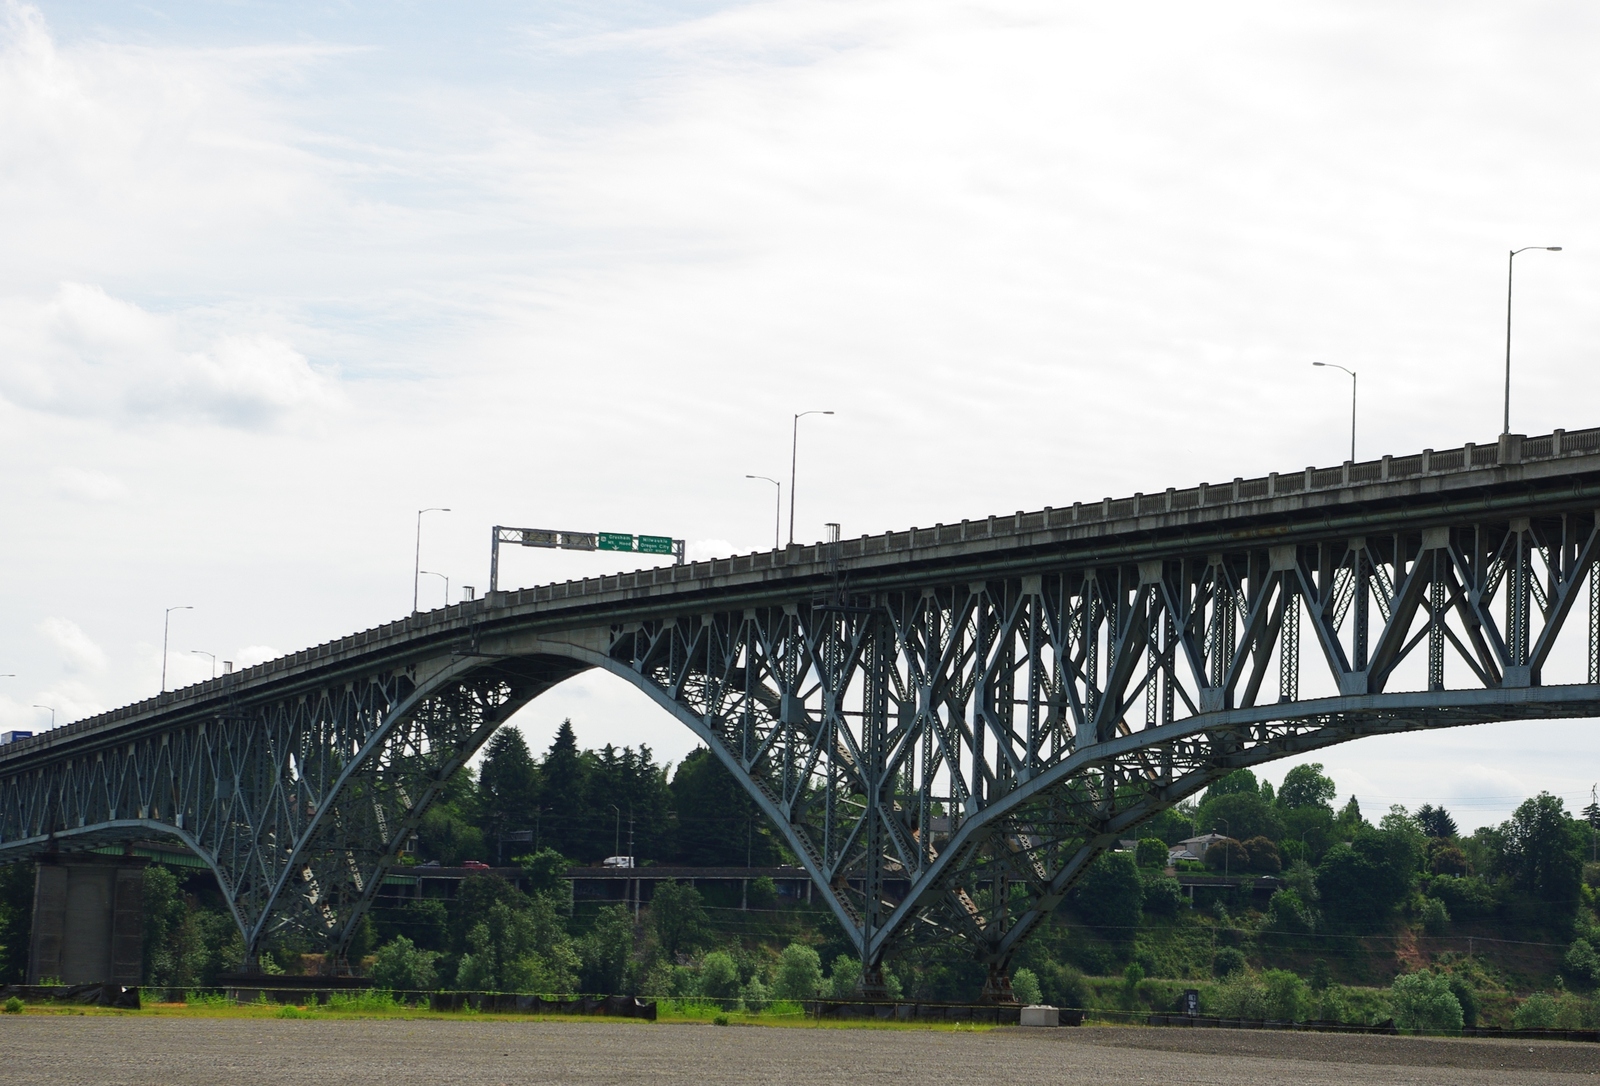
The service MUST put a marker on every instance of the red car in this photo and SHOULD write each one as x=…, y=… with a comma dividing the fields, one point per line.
x=474, y=865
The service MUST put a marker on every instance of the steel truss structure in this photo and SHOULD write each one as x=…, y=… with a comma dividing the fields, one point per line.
x=945, y=738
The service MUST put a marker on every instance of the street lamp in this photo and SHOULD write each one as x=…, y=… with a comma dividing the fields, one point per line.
x=443, y=578
x=203, y=652
x=416, y=569
x=777, y=506
x=1352, y=373
x=794, y=448
x=166, y=626
x=52, y=713
x=616, y=844
x=1511, y=263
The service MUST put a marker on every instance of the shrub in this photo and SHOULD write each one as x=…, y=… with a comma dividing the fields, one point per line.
x=754, y=996
x=1064, y=986
x=401, y=967
x=13, y=1005
x=1287, y=913
x=1110, y=893
x=1264, y=856
x=719, y=977
x=1025, y=986
x=1424, y=1001
x=1582, y=964
x=1163, y=894
x=799, y=974
x=1538, y=1011
x=1240, y=996
x=1151, y=852
x=1463, y=895
x=1435, y=917
x=1227, y=962
x=844, y=980
x=1285, y=995
x=1228, y=857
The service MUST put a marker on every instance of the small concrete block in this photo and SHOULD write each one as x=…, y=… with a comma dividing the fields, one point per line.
x=1041, y=1016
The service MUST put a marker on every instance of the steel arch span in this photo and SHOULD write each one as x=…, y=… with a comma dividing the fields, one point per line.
x=945, y=725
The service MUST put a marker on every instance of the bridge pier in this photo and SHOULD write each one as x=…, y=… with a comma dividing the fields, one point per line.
x=997, y=986
x=88, y=920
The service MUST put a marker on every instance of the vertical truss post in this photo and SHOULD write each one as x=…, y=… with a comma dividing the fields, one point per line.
x=1436, y=602
x=1152, y=691
x=1289, y=643
x=1361, y=571
x=1169, y=647
x=875, y=743
x=1594, y=623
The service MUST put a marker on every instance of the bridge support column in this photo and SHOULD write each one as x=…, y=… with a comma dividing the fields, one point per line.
x=872, y=985
x=88, y=920
x=997, y=986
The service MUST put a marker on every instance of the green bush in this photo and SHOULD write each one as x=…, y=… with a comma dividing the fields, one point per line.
x=1582, y=964
x=799, y=974
x=1025, y=986
x=401, y=967
x=1423, y=1000
x=1285, y=995
x=844, y=980
x=1463, y=895
x=1538, y=1011
x=1151, y=852
x=1240, y=996
x=1227, y=962
x=1435, y=917
x=13, y=1005
x=719, y=977
x=1163, y=895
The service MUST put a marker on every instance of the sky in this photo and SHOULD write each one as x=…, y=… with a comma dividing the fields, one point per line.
x=276, y=276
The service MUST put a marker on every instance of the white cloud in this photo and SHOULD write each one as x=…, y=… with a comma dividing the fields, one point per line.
x=251, y=655
x=84, y=353
x=698, y=550
x=78, y=650
x=88, y=486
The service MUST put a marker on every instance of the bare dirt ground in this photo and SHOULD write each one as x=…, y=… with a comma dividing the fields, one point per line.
x=179, y=1051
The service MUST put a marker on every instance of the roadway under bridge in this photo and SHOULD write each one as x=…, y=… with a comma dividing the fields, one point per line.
x=968, y=712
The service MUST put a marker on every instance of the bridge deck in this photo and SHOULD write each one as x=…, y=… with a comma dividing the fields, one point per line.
x=1356, y=496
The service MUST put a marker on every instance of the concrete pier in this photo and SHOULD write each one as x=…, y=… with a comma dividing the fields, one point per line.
x=88, y=923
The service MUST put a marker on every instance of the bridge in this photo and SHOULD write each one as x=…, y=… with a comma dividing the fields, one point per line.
x=945, y=724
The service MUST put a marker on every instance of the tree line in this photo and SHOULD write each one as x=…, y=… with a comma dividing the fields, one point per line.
x=589, y=804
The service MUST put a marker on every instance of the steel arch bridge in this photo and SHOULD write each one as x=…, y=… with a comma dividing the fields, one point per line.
x=945, y=724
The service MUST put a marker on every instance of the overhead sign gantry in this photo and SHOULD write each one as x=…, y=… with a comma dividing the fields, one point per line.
x=578, y=541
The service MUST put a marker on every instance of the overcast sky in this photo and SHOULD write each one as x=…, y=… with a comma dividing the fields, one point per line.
x=274, y=276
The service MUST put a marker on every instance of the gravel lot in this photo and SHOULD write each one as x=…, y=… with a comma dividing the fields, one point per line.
x=178, y=1051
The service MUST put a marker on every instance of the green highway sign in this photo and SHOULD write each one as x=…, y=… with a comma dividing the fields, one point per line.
x=578, y=541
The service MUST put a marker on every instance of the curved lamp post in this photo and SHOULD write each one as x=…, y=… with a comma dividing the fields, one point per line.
x=794, y=449
x=416, y=569
x=1352, y=373
x=442, y=577
x=777, y=507
x=166, y=626
x=1511, y=264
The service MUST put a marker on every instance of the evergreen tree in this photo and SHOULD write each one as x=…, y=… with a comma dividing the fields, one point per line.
x=719, y=826
x=1436, y=821
x=508, y=788
x=567, y=823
